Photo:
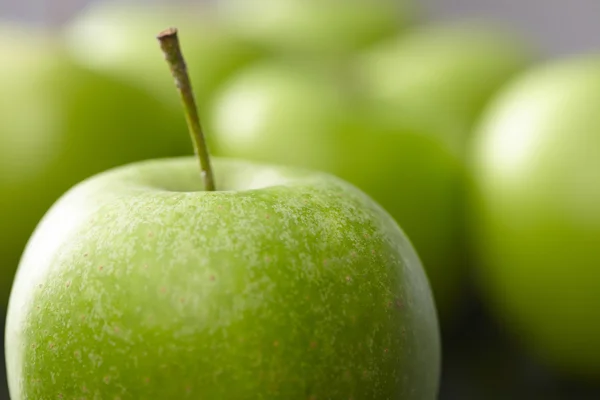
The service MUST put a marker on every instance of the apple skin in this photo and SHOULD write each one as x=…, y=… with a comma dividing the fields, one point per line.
x=536, y=212
x=286, y=284
x=60, y=123
x=116, y=39
x=321, y=28
x=284, y=114
x=449, y=68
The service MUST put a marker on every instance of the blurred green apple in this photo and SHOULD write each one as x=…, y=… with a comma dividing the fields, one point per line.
x=452, y=68
x=299, y=116
x=112, y=37
x=315, y=27
x=537, y=212
x=60, y=123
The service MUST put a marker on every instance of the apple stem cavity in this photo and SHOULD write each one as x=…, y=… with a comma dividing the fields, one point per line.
x=169, y=43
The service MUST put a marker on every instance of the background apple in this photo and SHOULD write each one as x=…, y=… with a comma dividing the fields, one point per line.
x=284, y=284
x=60, y=123
x=285, y=113
x=280, y=111
x=323, y=28
x=112, y=37
x=537, y=212
x=451, y=69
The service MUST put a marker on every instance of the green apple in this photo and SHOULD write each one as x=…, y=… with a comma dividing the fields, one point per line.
x=60, y=123
x=536, y=213
x=282, y=284
x=279, y=112
x=451, y=68
x=284, y=114
x=315, y=27
x=111, y=37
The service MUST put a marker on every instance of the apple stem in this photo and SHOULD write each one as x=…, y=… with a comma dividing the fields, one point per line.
x=169, y=43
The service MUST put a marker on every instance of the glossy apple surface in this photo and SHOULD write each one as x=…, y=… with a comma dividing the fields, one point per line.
x=537, y=214
x=285, y=284
x=60, y=123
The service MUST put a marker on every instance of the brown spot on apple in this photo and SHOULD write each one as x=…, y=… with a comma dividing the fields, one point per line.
x=106, y=379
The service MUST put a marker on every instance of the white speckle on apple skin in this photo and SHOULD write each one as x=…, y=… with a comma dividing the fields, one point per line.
x=178, y=293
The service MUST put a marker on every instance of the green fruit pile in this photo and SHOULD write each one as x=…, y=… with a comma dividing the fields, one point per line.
x=370, y=168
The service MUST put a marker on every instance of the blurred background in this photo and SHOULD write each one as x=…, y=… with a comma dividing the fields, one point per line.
x=439, y=88
x=559, y=27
